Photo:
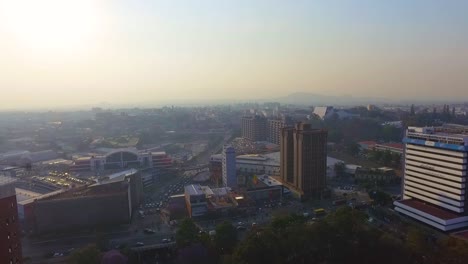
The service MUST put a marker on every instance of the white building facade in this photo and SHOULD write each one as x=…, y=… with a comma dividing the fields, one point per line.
x=434, y=185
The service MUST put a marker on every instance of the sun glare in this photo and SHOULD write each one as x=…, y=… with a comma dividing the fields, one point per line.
x=48, y=27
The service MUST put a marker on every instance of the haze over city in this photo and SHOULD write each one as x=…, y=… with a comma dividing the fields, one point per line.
x=70, y=53
x=233, y=131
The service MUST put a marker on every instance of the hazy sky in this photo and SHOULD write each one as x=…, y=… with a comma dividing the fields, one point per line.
x=63, y=52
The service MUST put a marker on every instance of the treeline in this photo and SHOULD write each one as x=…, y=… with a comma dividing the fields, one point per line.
x=358, y=129
x=342, y=237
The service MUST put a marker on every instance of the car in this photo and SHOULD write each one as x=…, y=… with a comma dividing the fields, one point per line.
x=240, y=223
x=149, y=231
x=57, y=254
x=166, y=240
x=241, y=228
x=139, y=244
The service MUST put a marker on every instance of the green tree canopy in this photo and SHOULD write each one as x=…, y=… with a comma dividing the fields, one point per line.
x=226, y=237
x=187, y=233
x=87, y=255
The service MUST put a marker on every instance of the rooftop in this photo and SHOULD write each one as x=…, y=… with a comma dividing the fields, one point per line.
x=430, y=209
x=93, y=190
x=116, y=177
x=269, y=181
x=392, y=145
x=194, y=189
x=4, y=180
x=367, y=143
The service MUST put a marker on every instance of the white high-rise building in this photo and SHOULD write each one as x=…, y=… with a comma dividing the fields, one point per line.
x=229, y=167
x=434, y=186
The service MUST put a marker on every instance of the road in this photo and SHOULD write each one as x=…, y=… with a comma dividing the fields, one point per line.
x=146, y=239
x=37, y=248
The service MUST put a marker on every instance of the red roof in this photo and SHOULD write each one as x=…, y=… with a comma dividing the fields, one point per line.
x=430, y=209
x=369, y=143
x=393, y=145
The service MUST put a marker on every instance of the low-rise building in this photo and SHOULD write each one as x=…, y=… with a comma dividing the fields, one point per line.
x=383, y=174
x=392, y=147
x=202, y=199
x=265, y=188
x=109, y=201
x=195, y=197
x=259, y=164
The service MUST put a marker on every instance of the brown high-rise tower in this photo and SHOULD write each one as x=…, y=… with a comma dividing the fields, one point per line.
x=304, y=159
x=10, y=236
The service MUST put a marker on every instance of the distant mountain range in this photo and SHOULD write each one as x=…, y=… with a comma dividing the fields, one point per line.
x=303, y=98
x=319, y=99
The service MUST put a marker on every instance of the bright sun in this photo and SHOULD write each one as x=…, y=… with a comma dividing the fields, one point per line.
x=49, y=27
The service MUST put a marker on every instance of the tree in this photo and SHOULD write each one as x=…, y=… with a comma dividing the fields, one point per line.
x=188, y=233
x=396, y=160
x=353, y=148
x=380, y=197
x=386, y=158
x=339, y=169
x=87, y=255
x=417, y=243
x=391, y=133
x=376, y=155
x=195, y=253
x=226, y=237
x=101, y=241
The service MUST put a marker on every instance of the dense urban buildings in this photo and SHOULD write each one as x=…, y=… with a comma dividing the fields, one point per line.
x=434, y=186
x=254, y=128
x=10, y=236
x=304, y=159
x=202, y=199
x=274, y=129
x=229, y=167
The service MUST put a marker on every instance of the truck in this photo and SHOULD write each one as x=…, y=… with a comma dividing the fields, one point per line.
x=339, y=202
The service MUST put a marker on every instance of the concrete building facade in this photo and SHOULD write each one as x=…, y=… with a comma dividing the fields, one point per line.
x=254, y=128
x=110, y=201
x=303, y=159
x=435, y=174
x=274, y=130
x=10, y=236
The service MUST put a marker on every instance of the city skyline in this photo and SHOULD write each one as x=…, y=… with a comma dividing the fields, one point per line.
x=66, y=54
